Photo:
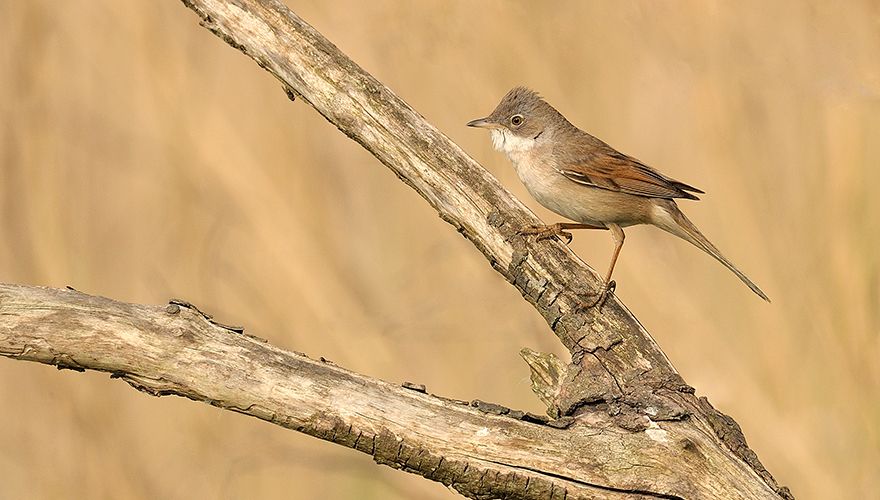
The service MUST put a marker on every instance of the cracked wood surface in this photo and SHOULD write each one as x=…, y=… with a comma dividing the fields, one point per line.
x=178, y=350
x=629, y=426
x=617, y=369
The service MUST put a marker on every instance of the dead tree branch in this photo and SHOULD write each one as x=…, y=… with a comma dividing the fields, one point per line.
x=482, y=450
x=627, y=424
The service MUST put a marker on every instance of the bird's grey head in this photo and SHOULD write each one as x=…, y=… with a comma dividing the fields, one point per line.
x=520, y=119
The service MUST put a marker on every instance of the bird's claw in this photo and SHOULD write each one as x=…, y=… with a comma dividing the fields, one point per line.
x=547, y=232
x=601, y=297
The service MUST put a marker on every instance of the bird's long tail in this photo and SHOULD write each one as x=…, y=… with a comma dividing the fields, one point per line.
x=669, y=218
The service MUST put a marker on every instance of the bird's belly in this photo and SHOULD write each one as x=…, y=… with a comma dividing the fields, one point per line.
x=584, y=204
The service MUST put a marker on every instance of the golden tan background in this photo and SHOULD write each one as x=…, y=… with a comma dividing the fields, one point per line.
x=141, y=158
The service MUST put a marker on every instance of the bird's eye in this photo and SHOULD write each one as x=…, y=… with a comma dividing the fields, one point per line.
x=516, y=120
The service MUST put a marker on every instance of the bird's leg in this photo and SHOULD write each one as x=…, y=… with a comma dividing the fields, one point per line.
x=608, y=285
x=545, y=232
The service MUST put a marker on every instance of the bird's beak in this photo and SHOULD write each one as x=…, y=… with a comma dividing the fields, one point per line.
x=482, y=123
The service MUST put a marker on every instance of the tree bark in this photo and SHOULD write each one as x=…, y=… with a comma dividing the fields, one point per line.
x=480, y=449
x=626, y=423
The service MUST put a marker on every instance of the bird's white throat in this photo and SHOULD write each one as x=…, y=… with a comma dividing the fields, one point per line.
x=507, y=142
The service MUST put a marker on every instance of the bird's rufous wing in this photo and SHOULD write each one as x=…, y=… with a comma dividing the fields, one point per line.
x=609, y=169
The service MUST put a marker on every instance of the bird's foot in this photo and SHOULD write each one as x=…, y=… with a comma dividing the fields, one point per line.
x=601, y=297
x=546, y=232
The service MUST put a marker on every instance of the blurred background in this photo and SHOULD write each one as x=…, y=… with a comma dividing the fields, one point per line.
x=141, y=158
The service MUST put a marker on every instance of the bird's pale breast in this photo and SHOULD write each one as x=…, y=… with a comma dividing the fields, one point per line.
x=584, y=204
x=536, y=168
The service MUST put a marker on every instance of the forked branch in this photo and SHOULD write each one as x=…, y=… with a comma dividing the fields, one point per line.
x=634, y=428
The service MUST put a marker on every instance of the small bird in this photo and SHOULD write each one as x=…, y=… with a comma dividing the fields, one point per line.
x=585, y=180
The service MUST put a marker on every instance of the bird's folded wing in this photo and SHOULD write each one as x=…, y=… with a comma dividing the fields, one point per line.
x=616, y=171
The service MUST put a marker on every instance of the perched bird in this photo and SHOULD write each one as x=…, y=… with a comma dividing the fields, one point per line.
x=585, y=180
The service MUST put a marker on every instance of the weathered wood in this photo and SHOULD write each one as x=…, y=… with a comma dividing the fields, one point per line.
x=629, y=426
x=490, y=453
x=615, y=362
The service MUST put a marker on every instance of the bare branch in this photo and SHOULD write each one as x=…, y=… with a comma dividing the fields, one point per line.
x=628, y=424
x=614, y=359
x=486, y=451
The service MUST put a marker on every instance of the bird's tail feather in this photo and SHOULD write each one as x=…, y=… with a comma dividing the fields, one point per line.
x=672, y=220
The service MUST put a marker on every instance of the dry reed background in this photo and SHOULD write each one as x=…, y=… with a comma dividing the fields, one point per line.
x=141, y=158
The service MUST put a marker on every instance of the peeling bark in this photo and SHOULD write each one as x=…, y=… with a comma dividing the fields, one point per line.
x=625, y=422
x=616, y=363
x=482, y=450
